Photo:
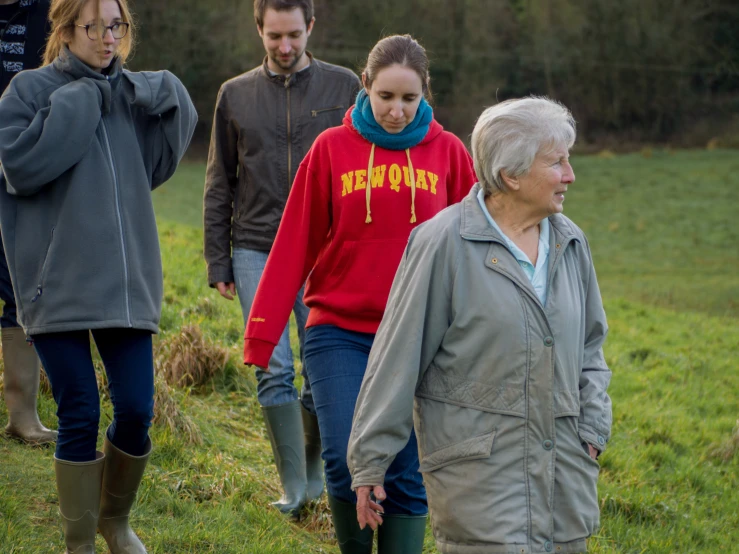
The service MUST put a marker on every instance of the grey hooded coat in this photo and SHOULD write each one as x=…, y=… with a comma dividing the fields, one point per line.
x=80, y=154
x=505, y=393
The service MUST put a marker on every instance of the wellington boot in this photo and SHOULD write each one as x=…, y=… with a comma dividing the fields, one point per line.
x=352, y=539
x=313, y=461
x=121, y=481
x=21, y=381
x=78, y=485
x=401, y=534
x=285, y=430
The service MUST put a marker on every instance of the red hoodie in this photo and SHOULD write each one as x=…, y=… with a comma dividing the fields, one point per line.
x=346, y=242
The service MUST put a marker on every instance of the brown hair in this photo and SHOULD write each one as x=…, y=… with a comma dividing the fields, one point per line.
x=401, y=50
x=64, y=13
x=261, y=6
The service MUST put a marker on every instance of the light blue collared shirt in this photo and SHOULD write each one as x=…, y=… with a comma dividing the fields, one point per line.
x=537, y=275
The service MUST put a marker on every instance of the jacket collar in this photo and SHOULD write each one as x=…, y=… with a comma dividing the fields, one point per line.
x=294, y=78
x=474, y=225
x=70, y=64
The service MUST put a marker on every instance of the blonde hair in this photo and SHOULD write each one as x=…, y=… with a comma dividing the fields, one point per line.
x=64, y=13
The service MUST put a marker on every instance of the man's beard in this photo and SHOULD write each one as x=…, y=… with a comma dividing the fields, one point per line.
x=289, y=65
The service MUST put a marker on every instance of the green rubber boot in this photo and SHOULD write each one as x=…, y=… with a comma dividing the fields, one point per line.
x=78, y=486
x=285, y=429
x=22, y=374
x=121, y=481
x=313, y=461
x=352, y=539
x=400, y=534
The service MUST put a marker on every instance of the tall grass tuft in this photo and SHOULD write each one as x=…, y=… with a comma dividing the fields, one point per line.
x=726, y=451
x=186, y=359
x=167, y=413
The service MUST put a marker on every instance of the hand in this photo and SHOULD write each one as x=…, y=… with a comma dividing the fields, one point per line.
x=227, y=290
x=592, y=451
x=367, y=510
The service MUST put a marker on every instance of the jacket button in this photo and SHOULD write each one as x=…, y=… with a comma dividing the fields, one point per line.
x=601, y=440
x=547, y=444
x=548, y=546
x=494, y=260
x=548, y=341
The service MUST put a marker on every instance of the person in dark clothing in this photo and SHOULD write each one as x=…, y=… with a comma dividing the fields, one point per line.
x=265, y=122
x=83, y=142
x=23, y=30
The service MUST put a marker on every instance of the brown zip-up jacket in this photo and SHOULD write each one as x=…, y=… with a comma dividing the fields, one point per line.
x=263, y=127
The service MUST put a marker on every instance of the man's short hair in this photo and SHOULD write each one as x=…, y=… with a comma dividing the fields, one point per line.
x=261, y=6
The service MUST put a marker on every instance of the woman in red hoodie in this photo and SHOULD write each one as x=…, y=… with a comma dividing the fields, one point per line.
x=360, y=191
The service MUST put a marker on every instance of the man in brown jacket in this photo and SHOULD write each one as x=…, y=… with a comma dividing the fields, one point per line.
x=265, y=122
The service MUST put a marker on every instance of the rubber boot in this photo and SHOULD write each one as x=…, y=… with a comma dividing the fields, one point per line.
x=401, y=534
x=21, y=377
x=78, y=485
x=352, y=539
x=121, y=481
x=313, y=461
x=285, y=430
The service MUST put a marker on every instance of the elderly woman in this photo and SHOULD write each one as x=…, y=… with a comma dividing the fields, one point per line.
x=492, y=344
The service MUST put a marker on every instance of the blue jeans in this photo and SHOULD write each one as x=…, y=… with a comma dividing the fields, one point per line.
x=129, y=364
x=8, y=318
x=336, y=360
x=275, y=386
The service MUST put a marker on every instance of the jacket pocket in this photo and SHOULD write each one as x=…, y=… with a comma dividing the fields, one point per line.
x=42, y=273
x=474, y=448
x=319, y=111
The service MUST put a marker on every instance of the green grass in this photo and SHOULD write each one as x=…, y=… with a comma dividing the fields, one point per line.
x=664, y=240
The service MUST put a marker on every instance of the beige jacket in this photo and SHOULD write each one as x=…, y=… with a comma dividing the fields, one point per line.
x=505, y=393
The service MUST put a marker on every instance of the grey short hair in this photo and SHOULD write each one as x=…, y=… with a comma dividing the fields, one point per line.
x=508, y=136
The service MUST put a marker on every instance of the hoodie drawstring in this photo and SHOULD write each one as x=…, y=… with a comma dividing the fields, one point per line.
x=413, y=185
x=369, y=183
x=368, y=219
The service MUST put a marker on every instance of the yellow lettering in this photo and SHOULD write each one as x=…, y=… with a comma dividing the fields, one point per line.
x=421, y=179
x=378, y=176
x=258, y=319
x=406, y=176
x=346, y=180
x=433, y=178
x=395, y=177
x=359, y=182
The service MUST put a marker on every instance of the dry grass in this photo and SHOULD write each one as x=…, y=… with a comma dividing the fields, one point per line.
x=726, y=451
x=186, y=359
x=167, y=413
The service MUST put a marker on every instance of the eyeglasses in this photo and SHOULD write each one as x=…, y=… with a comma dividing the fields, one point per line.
x=97, y=32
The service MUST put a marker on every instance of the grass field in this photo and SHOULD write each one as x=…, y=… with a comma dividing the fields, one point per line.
x=664, y=236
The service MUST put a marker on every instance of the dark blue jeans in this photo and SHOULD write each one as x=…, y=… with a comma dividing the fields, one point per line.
x=129, y=364
x=8, y=318
x=335, y=360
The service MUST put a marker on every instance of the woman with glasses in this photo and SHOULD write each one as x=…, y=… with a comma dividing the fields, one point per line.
x=82, y=144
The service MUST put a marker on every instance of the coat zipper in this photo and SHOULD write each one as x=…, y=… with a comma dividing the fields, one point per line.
x=314, y=113
x=120, y=221
x=289, y=138
x=40, y=286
